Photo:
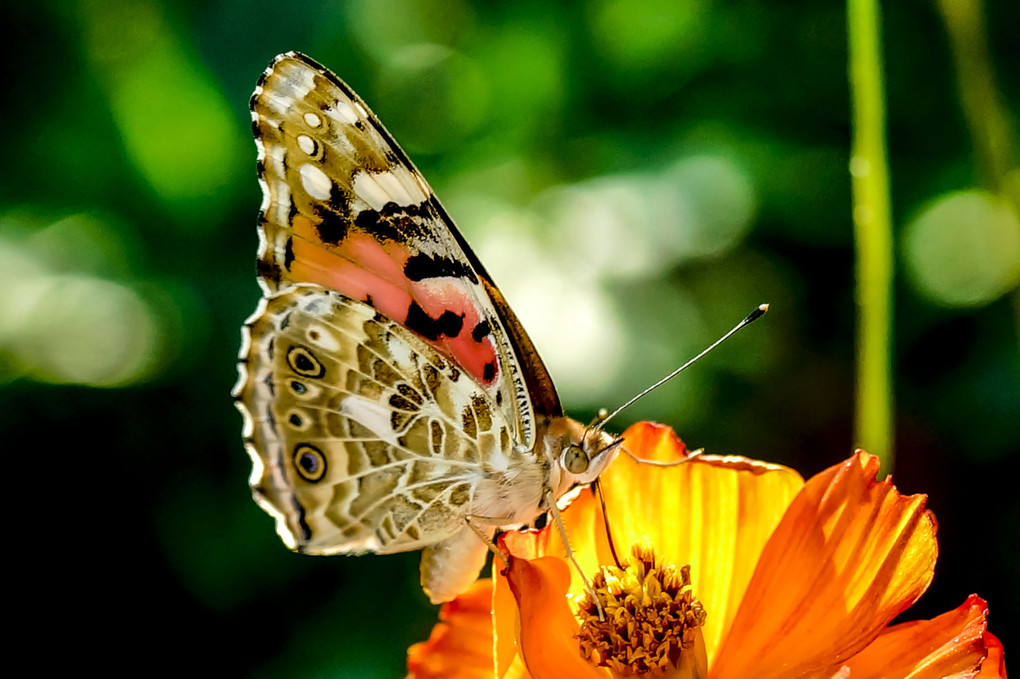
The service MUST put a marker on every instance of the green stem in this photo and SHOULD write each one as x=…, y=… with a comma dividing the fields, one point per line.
x=873, y=426
x=986, y=113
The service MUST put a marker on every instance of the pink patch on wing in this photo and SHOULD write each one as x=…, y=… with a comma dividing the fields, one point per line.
x=438, y=295
x=363, y=268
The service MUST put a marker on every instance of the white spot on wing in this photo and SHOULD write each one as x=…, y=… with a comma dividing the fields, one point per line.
x=276, y=156
x=326, y=339
x=306, y=144
x=402, y=354
x=397, y=186
x=312, y=120
x=315, y=182
x=342, y=112
x=374, y=415
x=299, y=78
x=368, y=189
x=415, y=187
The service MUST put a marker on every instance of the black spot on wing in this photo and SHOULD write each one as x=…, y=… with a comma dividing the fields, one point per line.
x=333, y=228
x=422, y=266
x=489, y=371
x=398, y=223
x=398, y=401
x=334, y=216
x=409, y=393
x=306, y=532
x=418, y=211
x=270, y=420
x=288, y=253
x=448, y=324
x=480, y=331
x=373, y=222
x=268, y=269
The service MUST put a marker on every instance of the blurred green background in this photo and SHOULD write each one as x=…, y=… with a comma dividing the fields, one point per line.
x=636, y=175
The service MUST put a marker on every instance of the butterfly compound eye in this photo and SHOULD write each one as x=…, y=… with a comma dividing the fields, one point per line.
x=574, y=459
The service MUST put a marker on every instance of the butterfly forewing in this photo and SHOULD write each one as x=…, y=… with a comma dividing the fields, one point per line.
x=346, y=209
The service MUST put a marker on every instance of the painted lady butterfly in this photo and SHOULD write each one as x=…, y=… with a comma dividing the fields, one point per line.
x=391, y=399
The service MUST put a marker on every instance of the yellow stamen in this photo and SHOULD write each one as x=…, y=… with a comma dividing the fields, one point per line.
x=651, y=618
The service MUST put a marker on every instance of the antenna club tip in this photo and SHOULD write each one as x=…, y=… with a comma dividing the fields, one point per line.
x=756, y=314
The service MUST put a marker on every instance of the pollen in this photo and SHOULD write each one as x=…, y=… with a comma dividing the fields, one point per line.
x=651, y=616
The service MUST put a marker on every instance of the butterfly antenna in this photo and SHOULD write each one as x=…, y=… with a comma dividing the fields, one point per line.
x=600, y=420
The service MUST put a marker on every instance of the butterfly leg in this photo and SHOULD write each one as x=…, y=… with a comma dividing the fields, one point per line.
x=554, y=510
x=450, y=566
x=488, y=541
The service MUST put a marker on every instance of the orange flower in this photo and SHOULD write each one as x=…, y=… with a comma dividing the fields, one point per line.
x=734, y=568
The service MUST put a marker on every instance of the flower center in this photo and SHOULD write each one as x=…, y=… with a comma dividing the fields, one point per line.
x=651, y=616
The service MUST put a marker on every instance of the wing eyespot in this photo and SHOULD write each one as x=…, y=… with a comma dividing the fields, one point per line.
x=304, y=363
x=309, y=462
x=296, y=421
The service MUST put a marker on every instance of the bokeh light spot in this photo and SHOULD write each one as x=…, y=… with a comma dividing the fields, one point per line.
x=655, y=35
x=62, y=323
x=176, y=127
x=382, y=27
x=963, y=250
x=83, y=330
x=636, y=225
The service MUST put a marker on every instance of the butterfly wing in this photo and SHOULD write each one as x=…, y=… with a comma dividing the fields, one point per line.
x=345, y=208
x=363, y=436
x=389, y=392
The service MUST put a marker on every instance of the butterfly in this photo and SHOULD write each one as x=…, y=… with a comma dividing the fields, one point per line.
x=391, y=399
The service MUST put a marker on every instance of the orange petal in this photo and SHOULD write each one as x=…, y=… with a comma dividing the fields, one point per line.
x=951, y=645
x=548, y=629
x=504, y=616
x=994, y=666
x=714, y=513
x=849, y=554
x=460, y=646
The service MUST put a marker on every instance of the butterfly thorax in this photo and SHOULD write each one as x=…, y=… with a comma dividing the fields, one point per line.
x=524, y=488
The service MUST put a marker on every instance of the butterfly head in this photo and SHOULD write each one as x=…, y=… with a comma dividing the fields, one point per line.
x=585, y=455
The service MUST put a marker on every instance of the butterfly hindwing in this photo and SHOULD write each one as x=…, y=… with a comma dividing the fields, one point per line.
x=369, y=438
